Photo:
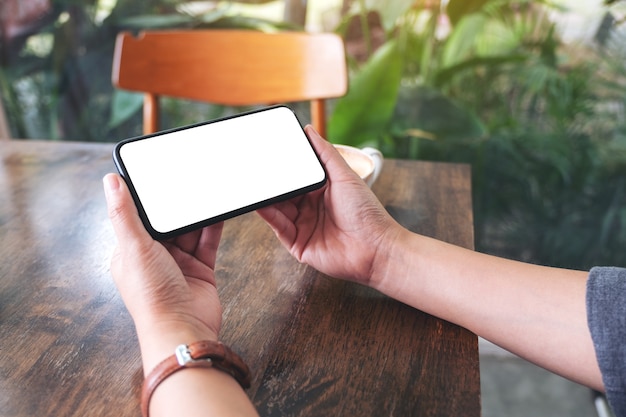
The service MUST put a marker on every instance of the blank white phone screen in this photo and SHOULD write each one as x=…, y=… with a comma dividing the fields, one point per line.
x=188, y=176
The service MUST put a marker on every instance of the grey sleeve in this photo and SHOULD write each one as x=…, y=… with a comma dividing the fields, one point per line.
x=606, y=317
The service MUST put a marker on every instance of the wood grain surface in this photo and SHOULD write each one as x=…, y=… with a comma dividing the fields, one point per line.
x=317, y=346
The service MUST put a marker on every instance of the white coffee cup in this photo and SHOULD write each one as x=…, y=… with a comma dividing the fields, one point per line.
x=366, y=162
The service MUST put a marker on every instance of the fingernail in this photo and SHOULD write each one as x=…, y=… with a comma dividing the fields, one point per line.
x=111, y=183
x=312, y=129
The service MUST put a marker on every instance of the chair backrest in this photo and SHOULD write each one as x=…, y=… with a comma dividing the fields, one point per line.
x=232, y=68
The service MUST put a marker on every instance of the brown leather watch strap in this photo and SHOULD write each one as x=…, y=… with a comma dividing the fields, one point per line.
x=202, y=354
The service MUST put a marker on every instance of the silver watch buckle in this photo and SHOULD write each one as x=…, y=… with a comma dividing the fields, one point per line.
x=183, y=356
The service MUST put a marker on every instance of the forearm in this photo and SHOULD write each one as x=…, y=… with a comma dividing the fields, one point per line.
x=200, y=392
x=535, y=312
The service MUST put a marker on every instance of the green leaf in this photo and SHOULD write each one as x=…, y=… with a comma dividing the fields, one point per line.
x=456, y=9
x=213, y=15
x=496, y=38
x=445, y=75
x=462, y=41
x=124, y=105
x=363, y=115
x=158, y=21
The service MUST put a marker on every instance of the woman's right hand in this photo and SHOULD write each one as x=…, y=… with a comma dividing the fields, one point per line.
x=342, y=229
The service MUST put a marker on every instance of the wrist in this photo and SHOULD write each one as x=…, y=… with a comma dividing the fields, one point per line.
x=197, y=355
x=389, y=258
x=159, y=340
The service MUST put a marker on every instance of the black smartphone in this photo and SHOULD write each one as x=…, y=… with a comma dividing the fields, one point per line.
x=187, y=178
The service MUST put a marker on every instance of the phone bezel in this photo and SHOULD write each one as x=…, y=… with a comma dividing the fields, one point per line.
x=158, y=235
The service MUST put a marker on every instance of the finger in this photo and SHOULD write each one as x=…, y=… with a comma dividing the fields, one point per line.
x=288, y=210
x=122, y=211
x=208, y=244
x=187, y=242
x=283, y=227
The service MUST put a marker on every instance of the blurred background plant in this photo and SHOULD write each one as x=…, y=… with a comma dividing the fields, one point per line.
x=492, y=83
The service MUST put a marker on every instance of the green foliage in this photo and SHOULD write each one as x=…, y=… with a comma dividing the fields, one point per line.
x=377, y=85
x=540, y=122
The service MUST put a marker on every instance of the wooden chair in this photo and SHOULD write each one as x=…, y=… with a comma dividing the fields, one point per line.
x=231, y=68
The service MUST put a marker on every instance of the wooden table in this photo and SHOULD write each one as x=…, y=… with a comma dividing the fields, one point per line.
x=317, y=346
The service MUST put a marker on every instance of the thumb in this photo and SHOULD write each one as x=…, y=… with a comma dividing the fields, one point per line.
x=320, y=144
x=335, y=164
x=122, y=211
